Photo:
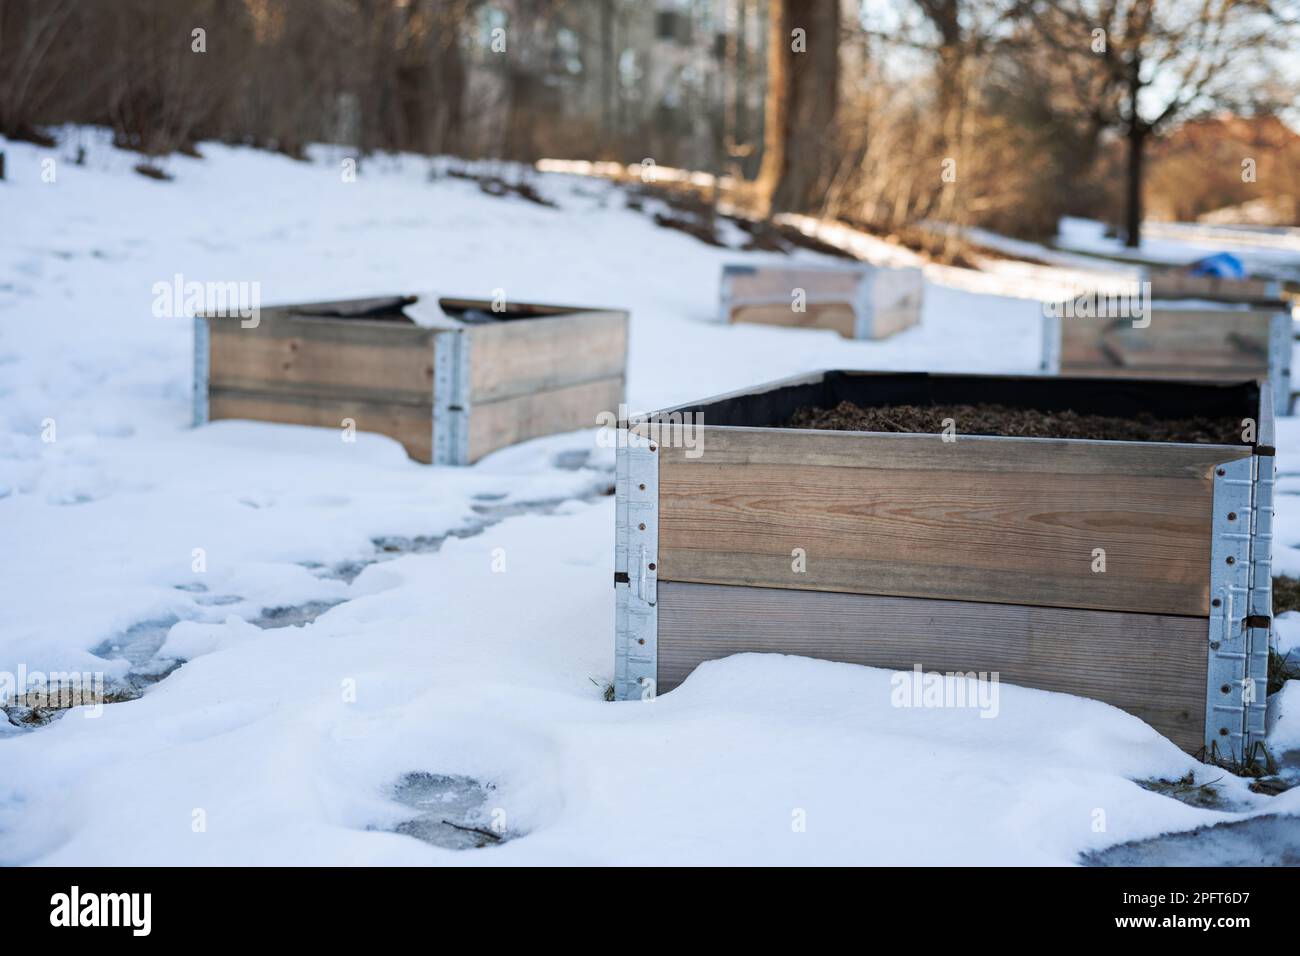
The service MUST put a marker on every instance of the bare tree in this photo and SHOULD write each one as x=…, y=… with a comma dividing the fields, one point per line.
x=1137, y=66
x=35, y=67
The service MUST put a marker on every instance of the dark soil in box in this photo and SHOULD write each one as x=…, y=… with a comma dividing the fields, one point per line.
x=1002, y=420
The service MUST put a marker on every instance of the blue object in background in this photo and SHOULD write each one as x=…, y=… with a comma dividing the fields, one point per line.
x=1222, y=265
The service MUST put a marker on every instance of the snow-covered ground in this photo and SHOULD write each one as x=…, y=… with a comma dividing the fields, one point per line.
x=459, y=621
x=1183, y=243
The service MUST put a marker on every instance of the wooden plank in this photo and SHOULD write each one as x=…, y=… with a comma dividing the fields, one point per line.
x=340, y=358
x=1212, y=343
x=283, y=322
x=888, y=298
x=1151, y=666
x=509, y=420
x=835, y=316
x=1181, y=285
x=410, y=424
x=382, y=308
x=1101, y=368
x=896, y=300
x=800, y=447
x=519, y=357
x=513, y=308
x=1005, y=520
x=777, y=284
x=891, y=321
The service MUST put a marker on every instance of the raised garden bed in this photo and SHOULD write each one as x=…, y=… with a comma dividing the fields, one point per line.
x=450, y=379
x=963, y=553
x=1178, y=284
x=1178, y=341
x=858, y=301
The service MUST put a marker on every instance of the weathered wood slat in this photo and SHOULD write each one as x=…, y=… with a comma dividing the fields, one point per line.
x=777, y=283
x=330, y=357
x=282, y=322
x=1006, y=520
x=535, y=370
x=905, y=452
x=1104, y=369
x=1152, y=666
x=409, y=424
x=834, y=316
x=311, y=389
x=530, y=308
x=888, y=322
x=1181, y=285
x=897, y=297
x=861, y=301
x=1212, y=343
x=506, y=421
x=519, y=357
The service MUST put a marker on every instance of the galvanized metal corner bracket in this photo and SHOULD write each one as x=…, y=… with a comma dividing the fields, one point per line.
x=450, y=425
x=1229, y=691
x=202, y=364
x=1280, y=340
x=636, y=566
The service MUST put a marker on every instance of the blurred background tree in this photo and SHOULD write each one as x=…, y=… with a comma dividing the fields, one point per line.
x=894, y=115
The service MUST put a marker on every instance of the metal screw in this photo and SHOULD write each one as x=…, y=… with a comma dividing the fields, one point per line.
x=1215, y=603
x=1223, y=731
x=652, y=565
x=1232, y=516
x=641, y=487
x=641, y=527
x=1225, y=688
x=1221, y=472
x=1231, y=559
x=1214, y=645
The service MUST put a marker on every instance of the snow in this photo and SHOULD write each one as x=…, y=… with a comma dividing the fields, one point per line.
x=1284, y=718
x=465, y=615
x=1264, y=255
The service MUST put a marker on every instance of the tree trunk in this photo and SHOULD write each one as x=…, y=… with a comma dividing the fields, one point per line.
x=608, y=70
x=1133, y=200
x=1137, y=131
x=449, y=82
x=802, y=90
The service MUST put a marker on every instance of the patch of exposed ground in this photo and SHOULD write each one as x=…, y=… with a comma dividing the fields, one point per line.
x=453, y=812
x=1259, y=841
x=1187, y=790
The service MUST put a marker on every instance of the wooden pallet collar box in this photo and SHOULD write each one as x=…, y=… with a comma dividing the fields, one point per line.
x=450, y=379
x=1185, y=340
x=976, y=555
x=1178, y=284
x=858, y=301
